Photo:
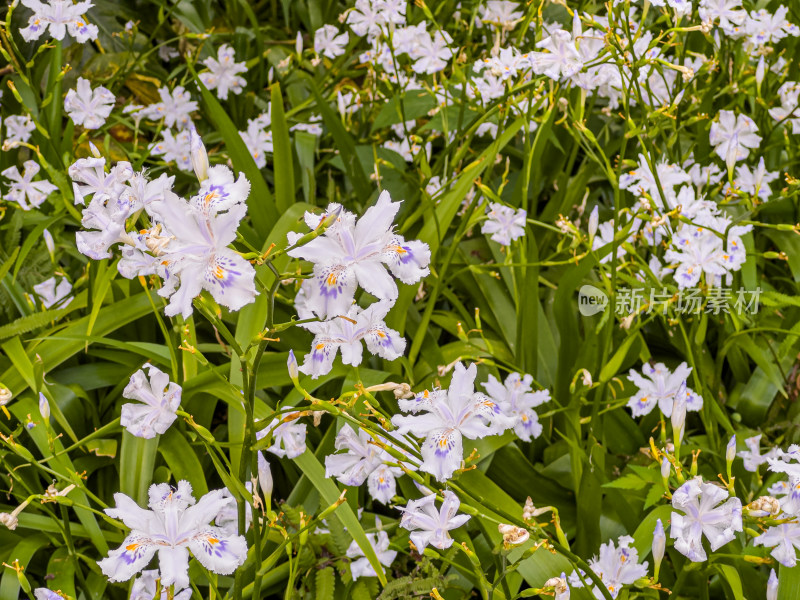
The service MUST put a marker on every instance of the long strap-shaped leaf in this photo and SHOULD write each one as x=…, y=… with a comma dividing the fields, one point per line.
x=312, y=468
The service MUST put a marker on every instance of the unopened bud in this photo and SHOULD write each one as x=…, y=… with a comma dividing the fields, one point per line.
x=772, y=586
x=48, y=241
x=594, y=221
x=659, y=545
x=291, y=363
x=298, y=44
x=761, y=70
x=678, y=418
x=44, y=407
x=199, y=155
x=730, y=451
x=264, y=477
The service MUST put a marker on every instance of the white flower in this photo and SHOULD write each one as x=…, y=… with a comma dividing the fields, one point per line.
x=18, y=130
x=361, y=458
x=429, y=526
x=228, y=516
x=144, y=588
x=504, y=223
x=160, y=397
x=752, y=457
x=60, y=16
x=561, y=59
x=784, y=539
x=516, y=400
x=732, y=137
x=288, y=437
x=328, y=43
x=727, y=12
x=257, y=140
x=45, y=594
x=755, y=182
x=501, y=13
x=175, y=108
x=433, y=52
x=381, y=483
x=52, y=291
x=223, y=73
x=173, y=526
x=346, y=334
x=450, y=415
x=175, y=147
x=91, y=173
x=660, y=386
x=353, y=252
x=23, y=190
x=89, y=107
x=705, y=509
x=615, y=566
x=380, y=544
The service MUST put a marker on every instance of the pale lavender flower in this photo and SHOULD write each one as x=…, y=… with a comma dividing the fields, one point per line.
x=362, y=567
x=733, y=136
x=60, y=16
x=144, y=588
x=223, y=73
x=175, y=147
x=705, y=510
x=173, y=526
x=175, y=108
x=431, y=526
x=23, y=190
x=449, y=416
x=18, y=130
x=328, y=42
x=52, y=292
x=160, y=399
x=288, y=438
x=504, y=223
x=660, y=386
x=784, y=539
x=517, y=400
x=352, y=253
x=616, y=566
x=89, y=107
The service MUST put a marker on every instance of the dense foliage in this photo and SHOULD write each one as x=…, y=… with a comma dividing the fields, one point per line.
x=385, y=299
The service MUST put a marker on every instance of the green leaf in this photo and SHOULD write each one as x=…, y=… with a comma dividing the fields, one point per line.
x=260, y=204
x=282, y=152
x=315, y=472
x=627, y=482
x=136, y=462
x=182, y=460
x=23, y=552
x=326, y=583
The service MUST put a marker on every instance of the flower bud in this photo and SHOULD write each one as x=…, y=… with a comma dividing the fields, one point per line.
x=772, y=586
x=44, y=407
x=48, y=241
x=666, y=468
x=678, y=417
x=594, y=221
x=291, y=363
x=199, y=155
x=659, y=545
x=761, y=70
x=264, y=477
x=298, y=43
x=730, y=451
